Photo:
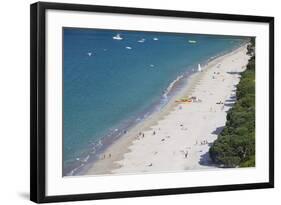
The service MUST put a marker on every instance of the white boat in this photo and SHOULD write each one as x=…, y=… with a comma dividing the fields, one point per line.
x=89, y=53
x=151, y=65
x=199, y=68
x=142, y=40
x=117, y=37
x=155, y=39
x=128, y=47
x=192, y=41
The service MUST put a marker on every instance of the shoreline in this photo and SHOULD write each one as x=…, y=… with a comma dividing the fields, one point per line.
x=113, y=158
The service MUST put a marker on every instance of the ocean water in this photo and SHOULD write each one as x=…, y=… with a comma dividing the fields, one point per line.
x=111, y=82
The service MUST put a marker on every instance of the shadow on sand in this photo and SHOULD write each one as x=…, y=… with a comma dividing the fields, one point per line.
x=234, y=73
x=229, y=104
x=205, y=159
x=217, y=131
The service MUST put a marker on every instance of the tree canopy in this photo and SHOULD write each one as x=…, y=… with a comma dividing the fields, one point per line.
x=235, y=145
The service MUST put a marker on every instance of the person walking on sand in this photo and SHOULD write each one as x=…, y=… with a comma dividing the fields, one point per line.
x=154, y=133
x=186, y=154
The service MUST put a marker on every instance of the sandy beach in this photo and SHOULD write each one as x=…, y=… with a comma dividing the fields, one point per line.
x=179, y=136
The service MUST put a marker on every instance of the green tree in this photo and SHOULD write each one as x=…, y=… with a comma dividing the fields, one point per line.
x=235, y=145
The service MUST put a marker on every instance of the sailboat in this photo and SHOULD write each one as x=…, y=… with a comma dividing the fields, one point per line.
x=199, y=68
x=142, y=40
x=117, y=37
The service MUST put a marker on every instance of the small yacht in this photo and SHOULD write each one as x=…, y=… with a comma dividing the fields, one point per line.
x=117, y=37
x=128, y=47
x=142, y=40
x=155, y=39
x=192, y=41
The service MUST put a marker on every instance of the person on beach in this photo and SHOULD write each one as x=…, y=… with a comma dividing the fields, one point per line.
x=186, y=154
x=154, y=133
x=203, y=142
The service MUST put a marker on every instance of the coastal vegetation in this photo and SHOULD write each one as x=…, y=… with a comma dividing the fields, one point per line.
x=235, y=145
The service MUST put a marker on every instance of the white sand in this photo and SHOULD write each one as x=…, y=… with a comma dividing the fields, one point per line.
x=180, y=128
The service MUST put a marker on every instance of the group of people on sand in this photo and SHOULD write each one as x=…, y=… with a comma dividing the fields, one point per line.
x=195, y=99
x=140, y=135
x=215, y=73
x=204, y=142
x=219, y=103
x=108, y=156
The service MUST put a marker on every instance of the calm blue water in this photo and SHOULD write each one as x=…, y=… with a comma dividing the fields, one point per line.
x=109, y=83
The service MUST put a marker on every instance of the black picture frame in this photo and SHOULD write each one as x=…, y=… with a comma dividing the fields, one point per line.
x=38, y=101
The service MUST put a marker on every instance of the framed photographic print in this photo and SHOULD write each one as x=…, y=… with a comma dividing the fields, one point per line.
x=129, y=102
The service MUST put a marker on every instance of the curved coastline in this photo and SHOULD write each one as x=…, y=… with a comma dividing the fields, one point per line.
x=111, y=158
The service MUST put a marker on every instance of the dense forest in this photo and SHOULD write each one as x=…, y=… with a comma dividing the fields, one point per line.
x=235, y=145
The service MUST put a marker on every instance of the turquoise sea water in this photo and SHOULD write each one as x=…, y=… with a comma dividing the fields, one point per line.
x=112, y=81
